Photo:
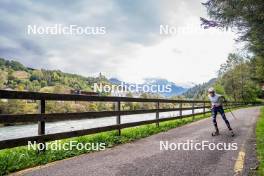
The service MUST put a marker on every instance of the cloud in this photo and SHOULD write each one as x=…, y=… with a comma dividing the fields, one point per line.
x=132, y=42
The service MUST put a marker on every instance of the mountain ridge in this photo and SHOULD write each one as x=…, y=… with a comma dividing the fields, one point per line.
x=175, y=89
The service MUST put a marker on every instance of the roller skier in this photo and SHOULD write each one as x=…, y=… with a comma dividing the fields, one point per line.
x=217, y=106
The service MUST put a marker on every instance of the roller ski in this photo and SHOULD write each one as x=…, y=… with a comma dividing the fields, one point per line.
x=232, y=133
x=216, y=133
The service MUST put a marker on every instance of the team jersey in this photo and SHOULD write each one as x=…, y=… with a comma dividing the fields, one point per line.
x=215, y=100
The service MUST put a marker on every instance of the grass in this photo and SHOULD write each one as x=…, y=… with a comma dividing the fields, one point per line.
x=260, y=142
x=19, y=158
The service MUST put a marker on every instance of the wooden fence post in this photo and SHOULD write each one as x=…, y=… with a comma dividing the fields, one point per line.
x=180, y=109
x=118, y=117
x=204, y=109
x=41, y=123
x=192, y=111
x=157, y=113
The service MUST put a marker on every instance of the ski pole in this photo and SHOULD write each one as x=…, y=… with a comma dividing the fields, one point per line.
x=232, y=114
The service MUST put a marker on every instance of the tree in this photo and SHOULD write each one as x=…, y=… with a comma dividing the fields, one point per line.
x=10, y=75
x=2, y=63
x=257, y=69
x=43, y=83
x=235, y=77
x=20, y=87
x=36, y=75
x=34, y=86
x=245, y=16
x=15, y=65
x=55, y=76
x=3, y=79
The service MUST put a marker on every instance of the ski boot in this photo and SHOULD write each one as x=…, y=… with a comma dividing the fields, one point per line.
x=216, y=133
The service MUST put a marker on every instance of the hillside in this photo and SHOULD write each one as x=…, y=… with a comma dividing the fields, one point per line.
x=16, y=76
x=199, y=91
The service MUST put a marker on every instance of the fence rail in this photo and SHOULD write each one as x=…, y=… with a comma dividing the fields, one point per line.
x=42, y=117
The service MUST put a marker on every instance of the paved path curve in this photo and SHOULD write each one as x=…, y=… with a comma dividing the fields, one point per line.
x=144, y=156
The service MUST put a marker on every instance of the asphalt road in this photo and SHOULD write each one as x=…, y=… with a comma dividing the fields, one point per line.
x=144, y=157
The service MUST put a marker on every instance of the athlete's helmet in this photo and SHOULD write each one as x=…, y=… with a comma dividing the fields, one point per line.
x=211, y=90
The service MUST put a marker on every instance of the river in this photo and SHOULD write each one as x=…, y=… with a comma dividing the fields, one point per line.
x=18, y=131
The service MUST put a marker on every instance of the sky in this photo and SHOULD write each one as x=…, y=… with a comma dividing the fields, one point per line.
x=132, y=48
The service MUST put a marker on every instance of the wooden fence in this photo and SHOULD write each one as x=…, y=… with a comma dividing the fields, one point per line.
x=42, y=117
